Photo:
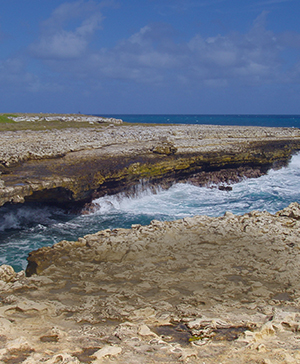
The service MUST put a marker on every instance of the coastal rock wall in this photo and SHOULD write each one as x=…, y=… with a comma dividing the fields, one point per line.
x=20, y=146
x=199, y=289
x=75, y=165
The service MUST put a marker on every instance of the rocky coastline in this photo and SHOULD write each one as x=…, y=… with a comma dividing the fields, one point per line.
x=75, y=165
x=200, y=289
x=196, y=290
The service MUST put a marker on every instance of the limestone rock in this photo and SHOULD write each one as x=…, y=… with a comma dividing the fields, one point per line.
x=194, y=289
x=106, y=351
x=7, y=273
x=293, y=211
x=47, y=165
x=166, y=148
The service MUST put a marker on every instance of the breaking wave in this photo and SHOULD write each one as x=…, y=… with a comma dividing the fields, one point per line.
x=27, y=228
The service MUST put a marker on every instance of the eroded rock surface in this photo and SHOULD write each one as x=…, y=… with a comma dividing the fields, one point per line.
x=71, y=165
x=76, y=118
x=201, y=289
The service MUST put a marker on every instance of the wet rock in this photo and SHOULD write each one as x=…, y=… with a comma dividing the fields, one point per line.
x=225, y=188
x=117, y=159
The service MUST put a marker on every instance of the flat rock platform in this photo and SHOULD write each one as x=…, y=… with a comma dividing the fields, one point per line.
x=196, y=290
x=75, y=165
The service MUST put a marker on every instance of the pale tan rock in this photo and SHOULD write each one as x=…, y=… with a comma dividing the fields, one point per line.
x=198, y=276
x=7, y=273
x=188, y=353
x=292, y=211
x=145, y=331
x=60, y=358
x=5, y=325
x=106, y=351
x=267, y=361
x=18, y=344
x=143, y=313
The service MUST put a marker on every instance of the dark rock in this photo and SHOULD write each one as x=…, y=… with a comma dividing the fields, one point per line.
x=225, y=188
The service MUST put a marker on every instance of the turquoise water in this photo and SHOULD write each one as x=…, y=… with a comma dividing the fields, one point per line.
x=26, y=228
x=30, y=227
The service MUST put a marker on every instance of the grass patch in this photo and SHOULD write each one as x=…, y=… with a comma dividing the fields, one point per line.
x=7, y=124
x=4, y=118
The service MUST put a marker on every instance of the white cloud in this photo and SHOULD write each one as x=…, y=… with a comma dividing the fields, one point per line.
x=140, y=37
x=60, y=45
x=247, y=58
x=152, y=57
x=56, y=42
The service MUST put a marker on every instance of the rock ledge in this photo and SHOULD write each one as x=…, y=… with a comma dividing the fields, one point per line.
x=77, y=165
x=198, y=289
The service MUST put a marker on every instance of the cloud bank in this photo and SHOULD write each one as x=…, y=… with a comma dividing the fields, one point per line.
x=57, y=41
x=69, y=56
x=152, y=56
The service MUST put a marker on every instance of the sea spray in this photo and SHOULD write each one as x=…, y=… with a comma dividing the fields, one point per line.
x=26, y=228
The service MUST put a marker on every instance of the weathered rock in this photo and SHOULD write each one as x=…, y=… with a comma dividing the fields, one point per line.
x=195, y=290
x=7, y=273
x=76, y=165
x=61, y=117
x=216, y=289
x=165, y=148
x=292, y=211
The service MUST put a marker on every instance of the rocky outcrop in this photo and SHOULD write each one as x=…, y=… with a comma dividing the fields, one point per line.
x=200, y=289
x=76, y=165
x=35, y=118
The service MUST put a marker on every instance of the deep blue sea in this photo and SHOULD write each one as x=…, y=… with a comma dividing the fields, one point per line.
x=25, y=228
x=242, y=120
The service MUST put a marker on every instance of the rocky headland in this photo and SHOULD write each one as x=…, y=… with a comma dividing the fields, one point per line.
x=197, y=290
x=75, y=165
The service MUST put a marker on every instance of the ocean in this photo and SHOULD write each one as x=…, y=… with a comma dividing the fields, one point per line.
x=241, y=120
x=26, y=228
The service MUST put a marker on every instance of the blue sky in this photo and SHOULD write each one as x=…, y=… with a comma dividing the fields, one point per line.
x=150, y=56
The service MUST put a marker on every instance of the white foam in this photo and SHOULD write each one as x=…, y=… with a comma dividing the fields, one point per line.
x=16, y=218
x=270, y=192
x=45, y=226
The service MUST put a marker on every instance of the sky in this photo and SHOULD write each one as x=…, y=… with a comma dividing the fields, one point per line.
x=150, y=56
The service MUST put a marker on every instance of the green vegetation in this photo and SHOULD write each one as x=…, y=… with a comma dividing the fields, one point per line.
x=195, y=338
x=4, y=118
x=7, y=124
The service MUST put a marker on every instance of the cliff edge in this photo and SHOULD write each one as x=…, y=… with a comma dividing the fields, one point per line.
x=75, y=165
